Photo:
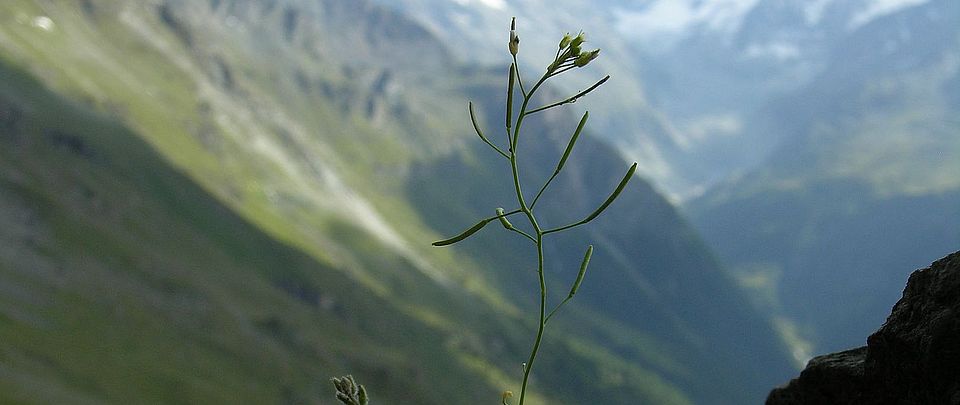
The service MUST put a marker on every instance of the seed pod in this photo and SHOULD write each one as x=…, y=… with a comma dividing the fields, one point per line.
x=513, y=74
x=583, y=270
x=613, y=196
x=463, y=235
x=573, y=141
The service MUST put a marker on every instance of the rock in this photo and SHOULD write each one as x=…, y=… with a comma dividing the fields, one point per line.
x=913, y=359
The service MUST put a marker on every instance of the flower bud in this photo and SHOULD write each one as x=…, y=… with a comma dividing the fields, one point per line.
x=514, y=44
x=577, y=41
x=565, y=41
x=585, y=58
x=574, y=50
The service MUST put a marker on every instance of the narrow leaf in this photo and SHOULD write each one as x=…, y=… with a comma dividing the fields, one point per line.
x=583, y=270
x=463, y=235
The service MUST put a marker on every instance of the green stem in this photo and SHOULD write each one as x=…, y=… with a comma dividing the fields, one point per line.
x=542, y=323
x=556, y=309
x=523, y=113
x=542, y=189
x=539, y=236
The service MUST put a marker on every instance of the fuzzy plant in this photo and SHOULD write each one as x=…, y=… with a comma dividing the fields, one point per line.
x=569, y=56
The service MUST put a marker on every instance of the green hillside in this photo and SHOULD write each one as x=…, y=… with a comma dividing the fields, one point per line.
x=232, y=201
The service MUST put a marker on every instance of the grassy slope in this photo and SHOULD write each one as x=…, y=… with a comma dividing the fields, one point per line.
x=183, y=300
x=131, y=283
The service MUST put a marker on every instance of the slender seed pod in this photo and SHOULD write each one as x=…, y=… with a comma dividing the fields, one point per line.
x=513, y=75
x=476, y=127
x=463, y=235
x=583, y=270
x=573, y=140
x=473, y=119
x=613, y=196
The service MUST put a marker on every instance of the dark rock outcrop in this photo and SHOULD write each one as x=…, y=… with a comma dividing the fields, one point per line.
x=913, y=359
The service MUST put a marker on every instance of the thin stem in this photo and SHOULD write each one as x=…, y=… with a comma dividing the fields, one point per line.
x=542, y=324
x=523, y=113
x=526, y=235
x=537, y=230
x=565, y=227
x=556, y=309
x=519, y=80
x=542, y=189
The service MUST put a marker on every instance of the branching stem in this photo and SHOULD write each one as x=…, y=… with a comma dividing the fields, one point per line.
x=569, y=56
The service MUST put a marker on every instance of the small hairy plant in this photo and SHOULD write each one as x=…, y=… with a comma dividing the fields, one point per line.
x=349, y=392
x=569, y=56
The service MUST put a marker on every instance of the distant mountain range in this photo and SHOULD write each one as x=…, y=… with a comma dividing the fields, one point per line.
x=232, y=201
x=689, y=77
x=864, y=185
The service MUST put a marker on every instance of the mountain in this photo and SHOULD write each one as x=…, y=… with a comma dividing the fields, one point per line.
x=232, y=201
x=863, y=185
x=688, y=77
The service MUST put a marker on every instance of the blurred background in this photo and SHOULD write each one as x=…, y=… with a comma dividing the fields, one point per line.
x=231, y=201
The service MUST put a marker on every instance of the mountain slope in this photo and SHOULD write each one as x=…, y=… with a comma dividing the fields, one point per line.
x=689, y=78
x=865, y=185
x=231, y=187
x=126, y=282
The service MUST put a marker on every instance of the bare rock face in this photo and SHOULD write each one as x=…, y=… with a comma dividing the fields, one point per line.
x=913, y=359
